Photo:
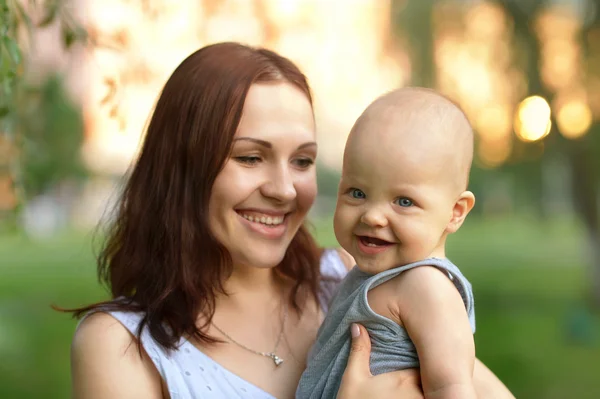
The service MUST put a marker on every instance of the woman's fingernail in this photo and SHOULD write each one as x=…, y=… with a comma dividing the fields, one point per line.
x=354, y=330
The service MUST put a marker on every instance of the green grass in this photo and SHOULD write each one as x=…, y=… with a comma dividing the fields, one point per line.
x=34, y=339
x=529, y=282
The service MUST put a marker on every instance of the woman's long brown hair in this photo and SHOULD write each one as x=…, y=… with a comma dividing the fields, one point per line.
x=159, y=256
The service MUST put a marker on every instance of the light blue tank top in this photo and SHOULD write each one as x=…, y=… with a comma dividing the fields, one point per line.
x=391, y=347
x=189, y=373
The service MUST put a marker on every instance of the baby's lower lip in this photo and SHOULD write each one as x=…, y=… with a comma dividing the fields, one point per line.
x=370, y=241
x=370, y=246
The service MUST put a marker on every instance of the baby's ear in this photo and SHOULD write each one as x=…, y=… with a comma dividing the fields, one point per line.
x=461, y=209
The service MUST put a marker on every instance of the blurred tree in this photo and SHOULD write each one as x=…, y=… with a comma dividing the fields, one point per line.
x=52, y=131
x=415, y=18
x=46, y=153
x=328, y=180
x=583, y=153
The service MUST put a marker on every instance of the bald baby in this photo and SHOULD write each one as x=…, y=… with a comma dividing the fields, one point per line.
x=405, y=174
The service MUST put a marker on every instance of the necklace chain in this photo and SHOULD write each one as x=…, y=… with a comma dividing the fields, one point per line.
x=276, y=359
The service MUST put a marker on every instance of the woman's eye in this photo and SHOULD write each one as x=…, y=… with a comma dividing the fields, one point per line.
x=404, y=202
x=303, y=163
x=357, y=194
x=248, y=160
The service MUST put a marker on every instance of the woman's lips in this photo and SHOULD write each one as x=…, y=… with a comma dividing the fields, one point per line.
x=273, y=227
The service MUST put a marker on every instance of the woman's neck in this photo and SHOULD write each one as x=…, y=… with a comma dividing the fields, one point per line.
x=251, y=285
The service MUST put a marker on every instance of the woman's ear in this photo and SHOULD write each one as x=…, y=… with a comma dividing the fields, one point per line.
x=461, y=209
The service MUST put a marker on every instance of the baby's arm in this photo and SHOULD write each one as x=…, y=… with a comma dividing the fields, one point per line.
x=432, y=311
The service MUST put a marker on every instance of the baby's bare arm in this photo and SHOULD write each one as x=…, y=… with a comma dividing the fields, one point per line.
x=434, y=315
x=487, y=384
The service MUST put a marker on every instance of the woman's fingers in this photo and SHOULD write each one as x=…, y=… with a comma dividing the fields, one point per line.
x=357, y=369
x=360, y=353
x=358, y=382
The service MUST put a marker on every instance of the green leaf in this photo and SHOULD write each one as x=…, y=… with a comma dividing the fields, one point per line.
x=13, y=49
x=4, y=111
x=24, y=17
x=7, y=87
x=69, y=36
x=51, y=12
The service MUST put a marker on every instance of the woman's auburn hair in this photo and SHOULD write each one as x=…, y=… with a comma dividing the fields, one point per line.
x=159, y=256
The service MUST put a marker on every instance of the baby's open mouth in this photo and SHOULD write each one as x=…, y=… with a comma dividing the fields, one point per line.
x=373, y=242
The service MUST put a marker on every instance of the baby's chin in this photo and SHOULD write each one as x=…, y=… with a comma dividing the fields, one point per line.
x=373, y=266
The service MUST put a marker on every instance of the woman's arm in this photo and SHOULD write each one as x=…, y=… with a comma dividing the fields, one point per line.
x=106, y=363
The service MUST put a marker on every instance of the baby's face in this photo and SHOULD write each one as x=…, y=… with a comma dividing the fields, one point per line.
x=394, y=201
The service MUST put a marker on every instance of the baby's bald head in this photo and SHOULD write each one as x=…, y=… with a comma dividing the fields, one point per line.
x=420, y=127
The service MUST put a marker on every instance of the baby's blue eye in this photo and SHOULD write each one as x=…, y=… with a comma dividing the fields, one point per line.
x=404, y=202
x=358, y=194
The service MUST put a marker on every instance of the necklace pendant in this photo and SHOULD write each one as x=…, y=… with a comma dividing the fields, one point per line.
x=276, y=359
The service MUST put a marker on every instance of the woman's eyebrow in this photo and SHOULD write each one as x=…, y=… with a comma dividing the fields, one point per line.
x=269, y=145
x=309, y=144
x=257, y=141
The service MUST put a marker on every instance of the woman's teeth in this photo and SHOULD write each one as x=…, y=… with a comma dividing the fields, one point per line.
x=268, y=220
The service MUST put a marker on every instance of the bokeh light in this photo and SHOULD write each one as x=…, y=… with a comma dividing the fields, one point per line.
x=532, y=119
x=494, y=152
x=574, y=119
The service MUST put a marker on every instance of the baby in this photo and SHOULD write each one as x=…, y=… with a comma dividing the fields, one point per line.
x=403, y=191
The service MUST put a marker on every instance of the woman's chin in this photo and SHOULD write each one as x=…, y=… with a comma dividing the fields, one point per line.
x=264, y=260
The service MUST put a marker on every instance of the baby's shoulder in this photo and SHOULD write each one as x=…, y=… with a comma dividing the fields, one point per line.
x=410, y=290
x=418, y=280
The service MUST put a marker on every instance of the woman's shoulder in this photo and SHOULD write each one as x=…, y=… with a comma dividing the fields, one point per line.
x=106, y=360
x=336, y=262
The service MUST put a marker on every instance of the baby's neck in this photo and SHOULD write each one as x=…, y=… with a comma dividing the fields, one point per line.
x=439, y=252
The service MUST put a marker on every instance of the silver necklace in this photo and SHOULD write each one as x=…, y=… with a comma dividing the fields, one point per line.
x=276, y=359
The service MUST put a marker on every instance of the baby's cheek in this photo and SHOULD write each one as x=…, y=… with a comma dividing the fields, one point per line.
x=342, y=225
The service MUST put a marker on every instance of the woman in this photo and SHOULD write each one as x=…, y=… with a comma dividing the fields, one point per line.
x=212, y=272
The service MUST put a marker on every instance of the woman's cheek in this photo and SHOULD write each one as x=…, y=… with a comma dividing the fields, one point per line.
x=307, y=191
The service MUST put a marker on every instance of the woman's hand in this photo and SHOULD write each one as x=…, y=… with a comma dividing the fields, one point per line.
x=358, y=382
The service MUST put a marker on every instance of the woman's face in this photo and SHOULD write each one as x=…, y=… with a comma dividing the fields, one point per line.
x=268, y=184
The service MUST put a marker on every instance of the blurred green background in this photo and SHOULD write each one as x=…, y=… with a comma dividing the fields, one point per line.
x=527, y=73
x=533, y=326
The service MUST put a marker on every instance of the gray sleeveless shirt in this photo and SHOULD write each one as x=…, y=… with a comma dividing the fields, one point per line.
x=391, y=347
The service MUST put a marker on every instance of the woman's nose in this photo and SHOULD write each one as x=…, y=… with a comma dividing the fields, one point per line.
x=280, y=185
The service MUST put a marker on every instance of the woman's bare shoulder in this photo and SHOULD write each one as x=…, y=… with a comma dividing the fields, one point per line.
x=346, y=258
x=106, y=362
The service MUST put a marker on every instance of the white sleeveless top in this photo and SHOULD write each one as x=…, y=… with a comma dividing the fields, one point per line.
x=189, y=373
